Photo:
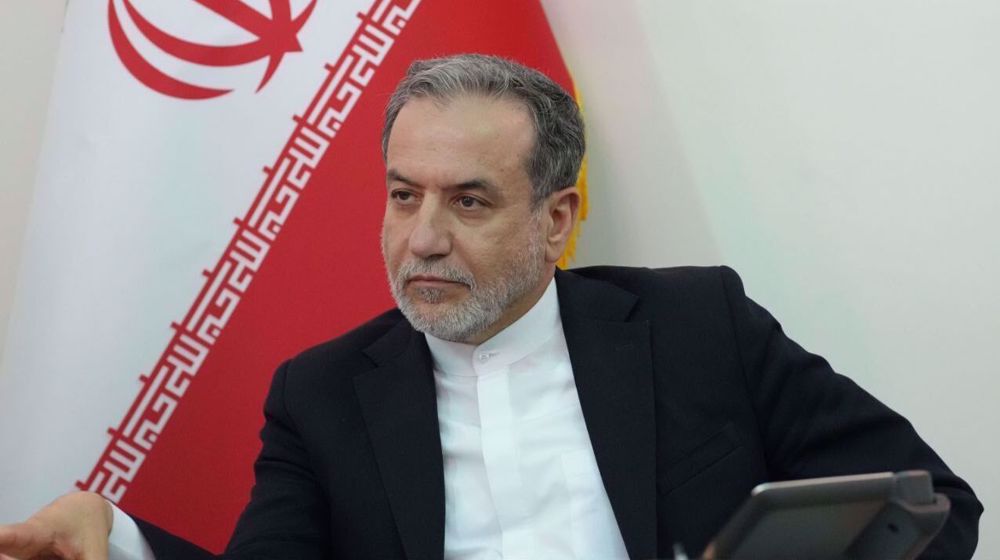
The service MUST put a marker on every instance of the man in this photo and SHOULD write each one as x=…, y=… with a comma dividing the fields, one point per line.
x=511, y=410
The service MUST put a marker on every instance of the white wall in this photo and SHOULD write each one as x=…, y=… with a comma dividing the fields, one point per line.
x=29, y=39
x=842, y=156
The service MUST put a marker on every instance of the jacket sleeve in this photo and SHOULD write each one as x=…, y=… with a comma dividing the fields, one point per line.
x=815, y=422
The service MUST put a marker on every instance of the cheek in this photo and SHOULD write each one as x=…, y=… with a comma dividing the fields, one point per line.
x=393, y=228
x=390, y=246
x=490, y=251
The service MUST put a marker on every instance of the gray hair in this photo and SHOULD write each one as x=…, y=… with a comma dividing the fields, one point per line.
x=554, y=161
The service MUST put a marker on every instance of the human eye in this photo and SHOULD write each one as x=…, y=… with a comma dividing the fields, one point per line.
x=402, y=196
x=468, y=202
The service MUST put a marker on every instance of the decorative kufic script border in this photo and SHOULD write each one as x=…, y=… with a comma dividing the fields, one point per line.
x=226, y=283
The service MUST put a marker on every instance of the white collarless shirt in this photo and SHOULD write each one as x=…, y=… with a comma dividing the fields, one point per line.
x=520, y=476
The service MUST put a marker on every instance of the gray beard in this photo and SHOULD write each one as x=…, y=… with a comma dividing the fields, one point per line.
x=486, y=302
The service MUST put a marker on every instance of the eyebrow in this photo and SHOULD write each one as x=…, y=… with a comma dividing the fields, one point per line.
x=468, y=185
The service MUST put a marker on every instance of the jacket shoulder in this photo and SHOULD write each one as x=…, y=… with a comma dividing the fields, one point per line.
x=682, y=281
x=346, y=352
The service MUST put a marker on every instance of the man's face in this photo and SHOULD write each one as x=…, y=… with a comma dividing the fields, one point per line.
x=462, y=244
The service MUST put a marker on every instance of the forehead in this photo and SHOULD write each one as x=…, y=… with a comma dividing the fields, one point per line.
x=466, y=134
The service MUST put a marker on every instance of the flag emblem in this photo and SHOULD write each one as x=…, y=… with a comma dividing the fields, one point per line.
x=275, y=36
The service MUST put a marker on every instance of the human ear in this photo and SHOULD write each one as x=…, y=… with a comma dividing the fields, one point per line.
x=561, y=209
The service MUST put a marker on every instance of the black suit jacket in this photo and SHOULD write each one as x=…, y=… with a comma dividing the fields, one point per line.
x=691, y=393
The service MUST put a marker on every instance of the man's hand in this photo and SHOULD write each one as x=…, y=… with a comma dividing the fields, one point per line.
x=74, y=527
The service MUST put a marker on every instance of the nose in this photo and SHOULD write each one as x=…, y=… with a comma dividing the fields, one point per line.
x=430, y=236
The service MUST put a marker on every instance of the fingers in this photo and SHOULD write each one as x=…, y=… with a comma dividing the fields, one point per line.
x=94, y=542
x=96, y=550
x=84, y=521
x=24, y=540
x=75, y=526
x=28, y=541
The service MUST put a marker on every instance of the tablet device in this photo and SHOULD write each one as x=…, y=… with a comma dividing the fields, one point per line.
x=866, y=516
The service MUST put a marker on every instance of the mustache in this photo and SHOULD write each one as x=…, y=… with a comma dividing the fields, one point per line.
x=441, y=270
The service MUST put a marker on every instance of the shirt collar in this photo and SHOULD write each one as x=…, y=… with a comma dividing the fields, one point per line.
x=513, y=343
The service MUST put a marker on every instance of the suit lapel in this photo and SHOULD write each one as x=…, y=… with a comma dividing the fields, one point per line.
x=399, y=405
x=613, y=370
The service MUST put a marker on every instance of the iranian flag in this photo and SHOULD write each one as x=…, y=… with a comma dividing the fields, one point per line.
x=208, y=203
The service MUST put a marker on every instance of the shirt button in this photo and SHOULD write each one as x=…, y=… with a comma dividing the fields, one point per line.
x=485, y=356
